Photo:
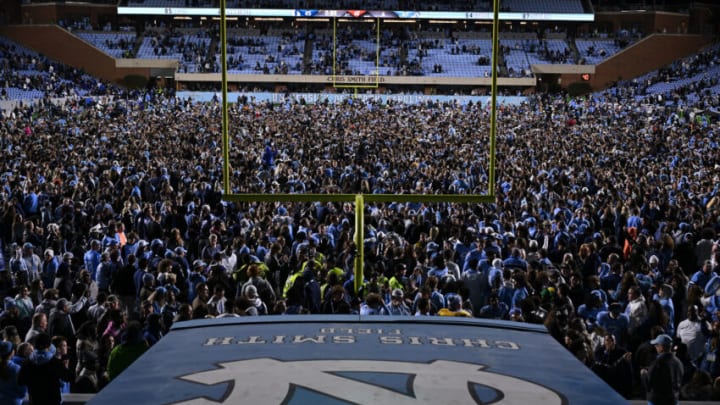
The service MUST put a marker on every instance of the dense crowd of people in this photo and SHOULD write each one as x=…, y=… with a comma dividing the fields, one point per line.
x=604, y=226
x=113, y=227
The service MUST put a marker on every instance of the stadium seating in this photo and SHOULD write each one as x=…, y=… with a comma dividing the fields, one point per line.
x=464, y=61
x=115, y=44
x=594, y=51
x=189, y=46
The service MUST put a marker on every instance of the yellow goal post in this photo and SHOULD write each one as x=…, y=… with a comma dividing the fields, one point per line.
x=360, y=199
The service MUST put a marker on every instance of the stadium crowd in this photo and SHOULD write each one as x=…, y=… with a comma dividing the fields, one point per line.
x=113, y=227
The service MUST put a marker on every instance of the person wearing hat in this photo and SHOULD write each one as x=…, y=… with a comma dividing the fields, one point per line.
x=33, y=263
x=397, y=304
x=182, y=270
x=196, y=276
x=663, y=379
x=10, y=391
x=43, y=373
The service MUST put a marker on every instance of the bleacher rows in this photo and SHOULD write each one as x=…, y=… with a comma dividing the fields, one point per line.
x=461, y=57
x=24, y=73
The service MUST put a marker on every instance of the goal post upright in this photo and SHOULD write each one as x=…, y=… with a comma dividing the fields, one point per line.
x=493, y=94
x=225, y=118
x=359, y=273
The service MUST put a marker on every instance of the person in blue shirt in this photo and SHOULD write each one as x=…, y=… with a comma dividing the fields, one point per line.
x=11, y=393
x=495, y=275
x=594, y=305
x=478, y=254
x=50, y=266
x=615, y=322
x=31, y=205
x=515, y=261
x=461, y=248
x=494, y=309
x=92, y=258
x=436, y=298
x=438, y=269
x=702, y=276
x=522, y=289
x=664, y=297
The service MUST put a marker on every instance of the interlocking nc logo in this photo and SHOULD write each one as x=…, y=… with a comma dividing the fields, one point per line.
x=268, y=381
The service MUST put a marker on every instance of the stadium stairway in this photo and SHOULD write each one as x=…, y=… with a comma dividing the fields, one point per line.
x=307, y=53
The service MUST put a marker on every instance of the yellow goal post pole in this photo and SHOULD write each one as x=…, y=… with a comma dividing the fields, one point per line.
x=359, y=242
x=225, y=120
x=493, y=94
